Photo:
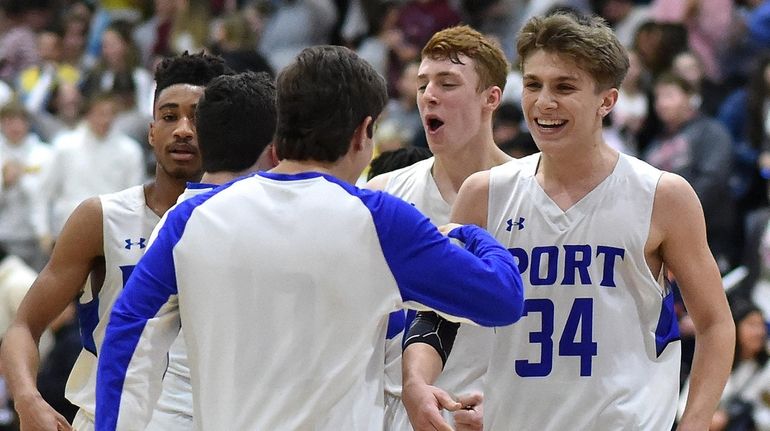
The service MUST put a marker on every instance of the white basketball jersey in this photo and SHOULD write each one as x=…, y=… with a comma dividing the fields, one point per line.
x=467, y=362
x=174, y=407
x=284, y=284
x=127, y=224
x=597, y=347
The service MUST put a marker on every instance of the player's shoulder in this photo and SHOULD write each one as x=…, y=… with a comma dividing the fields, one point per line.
x=401, y=175
x=640, y=166
x=519, y=164
x=85, y=221
x=673, y=189
x=131, y=196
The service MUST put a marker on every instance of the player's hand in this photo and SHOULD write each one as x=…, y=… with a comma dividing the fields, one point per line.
x=445, y=229
x=36, y=415
x=424, y=404
x=470, y=417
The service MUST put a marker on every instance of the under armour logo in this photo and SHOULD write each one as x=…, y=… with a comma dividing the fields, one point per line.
x=519, y=224
x=140, y=243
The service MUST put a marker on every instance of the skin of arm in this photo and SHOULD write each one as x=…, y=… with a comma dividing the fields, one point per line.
x=378, y=183
x=421, y=363
x=678, y=240
x=76, y=252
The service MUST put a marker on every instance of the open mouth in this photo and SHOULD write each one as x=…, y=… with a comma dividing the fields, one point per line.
x=433, y=124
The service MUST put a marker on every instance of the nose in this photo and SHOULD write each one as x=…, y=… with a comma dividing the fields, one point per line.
x=545, y=101
x=184, y=129
x=428, y=95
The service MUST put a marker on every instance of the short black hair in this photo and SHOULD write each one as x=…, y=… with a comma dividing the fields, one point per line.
x=322, y=97
x=235, y=121
x=194, y=69
x=396, y=159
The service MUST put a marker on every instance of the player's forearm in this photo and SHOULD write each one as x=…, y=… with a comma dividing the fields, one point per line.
x=711, y=367
x=21, y=360
x=421, y=364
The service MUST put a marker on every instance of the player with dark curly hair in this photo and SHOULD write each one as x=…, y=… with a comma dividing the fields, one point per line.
x=100, y=244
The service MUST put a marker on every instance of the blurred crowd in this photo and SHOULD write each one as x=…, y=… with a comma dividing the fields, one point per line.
x=76, y=95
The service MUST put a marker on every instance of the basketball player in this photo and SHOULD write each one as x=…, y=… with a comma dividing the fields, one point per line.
x=285, y=279
x=462, y=77
x=593, y=232
x=99, y=246
x=235, y=123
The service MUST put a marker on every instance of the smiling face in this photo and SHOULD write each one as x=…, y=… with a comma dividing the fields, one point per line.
x=172, y=132
x=450, y=106
x=561, y=103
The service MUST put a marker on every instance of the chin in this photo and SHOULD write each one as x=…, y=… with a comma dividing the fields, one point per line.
x=184, y=173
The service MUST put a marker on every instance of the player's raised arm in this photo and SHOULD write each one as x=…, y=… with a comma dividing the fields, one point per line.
x=479, y=283
x=679, y=226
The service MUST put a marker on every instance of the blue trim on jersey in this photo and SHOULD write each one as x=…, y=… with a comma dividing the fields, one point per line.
x=667, y=330
x=88, y=318
x=152, y=283
x=484, y=285
x=299, y=176
x=199, y=186
x=432, y=271
x=396, y=324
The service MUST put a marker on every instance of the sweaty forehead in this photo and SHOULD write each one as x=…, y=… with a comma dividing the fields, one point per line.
x=180, y=95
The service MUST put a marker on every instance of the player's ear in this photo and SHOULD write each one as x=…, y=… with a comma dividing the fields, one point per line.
x=274, y=155
x=364, y=132
x=609, y=98
x=494, y=96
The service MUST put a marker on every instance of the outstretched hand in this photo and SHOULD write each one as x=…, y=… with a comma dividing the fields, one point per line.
x=424, y=404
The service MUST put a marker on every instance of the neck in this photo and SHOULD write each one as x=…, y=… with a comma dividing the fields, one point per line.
x=335, y=169
x=162, y=193
x=222, y=177
x=451, y=170
x=573, y=169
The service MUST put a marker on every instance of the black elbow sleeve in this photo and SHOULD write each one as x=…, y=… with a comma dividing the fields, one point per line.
x=430, y=328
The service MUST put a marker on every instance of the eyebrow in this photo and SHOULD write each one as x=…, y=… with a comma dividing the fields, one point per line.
x=559, y=78
x=439, y=75
x=169, y=105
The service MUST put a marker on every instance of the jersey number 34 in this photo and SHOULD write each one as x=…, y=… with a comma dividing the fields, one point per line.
x=571, y=342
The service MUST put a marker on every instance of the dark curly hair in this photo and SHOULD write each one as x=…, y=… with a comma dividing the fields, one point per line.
x=194, y=69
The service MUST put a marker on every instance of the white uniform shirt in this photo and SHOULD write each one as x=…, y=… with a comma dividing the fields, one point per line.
x=284, y=284
x=467, y=363
x=174, y=408
x=128, y=222
x=597, y=347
